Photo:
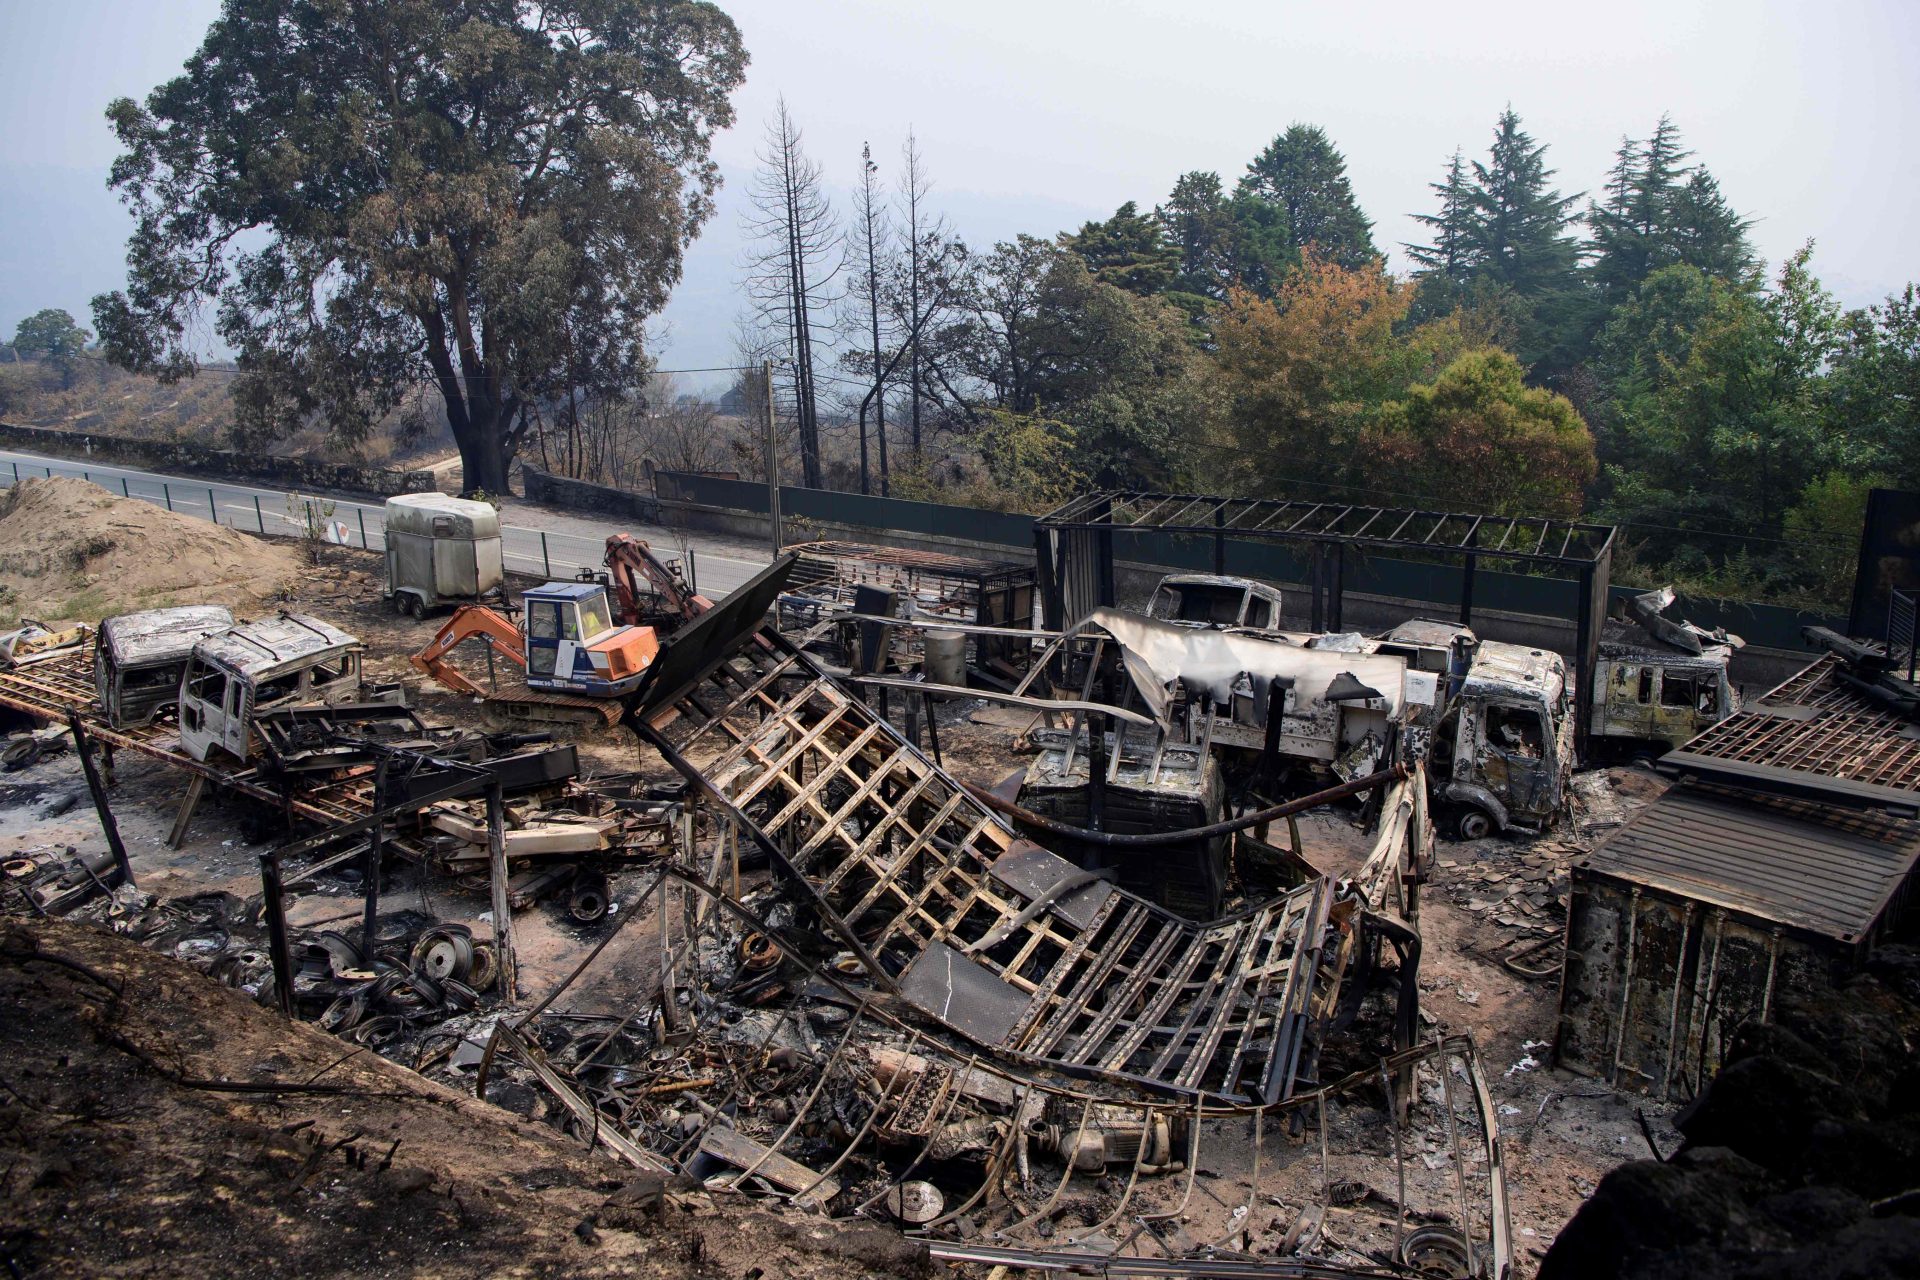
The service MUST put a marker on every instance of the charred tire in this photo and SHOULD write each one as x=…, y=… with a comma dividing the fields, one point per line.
x=1473, y=824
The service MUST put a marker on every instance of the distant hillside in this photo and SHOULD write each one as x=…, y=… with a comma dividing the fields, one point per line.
x=110, y=401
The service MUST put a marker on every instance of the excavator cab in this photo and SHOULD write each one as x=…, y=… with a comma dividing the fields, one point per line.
x=574, y=645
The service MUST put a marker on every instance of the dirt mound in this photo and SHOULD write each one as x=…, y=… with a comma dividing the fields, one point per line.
x=155, y=1123
x=70, y=551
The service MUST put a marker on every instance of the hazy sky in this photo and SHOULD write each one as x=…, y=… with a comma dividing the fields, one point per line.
x=1035, y=116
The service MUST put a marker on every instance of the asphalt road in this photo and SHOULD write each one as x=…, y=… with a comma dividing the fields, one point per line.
x=533, y=539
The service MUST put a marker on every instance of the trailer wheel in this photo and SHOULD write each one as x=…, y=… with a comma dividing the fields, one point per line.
x=416, y=607
x=1474, y=824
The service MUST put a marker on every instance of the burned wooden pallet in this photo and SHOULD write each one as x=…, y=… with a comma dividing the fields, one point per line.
x=988, y=934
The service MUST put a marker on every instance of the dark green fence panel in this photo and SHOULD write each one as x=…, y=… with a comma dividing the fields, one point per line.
x=1431, y=588
x=930, y=519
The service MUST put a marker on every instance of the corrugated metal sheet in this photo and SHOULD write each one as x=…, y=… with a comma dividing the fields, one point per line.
x=1800, y=865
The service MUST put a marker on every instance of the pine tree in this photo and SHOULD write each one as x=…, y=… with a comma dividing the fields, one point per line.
x=1127, y=251
x=1518, y=229
x=1198, y=224
x=1304, y=175
x=1448, y=256
x=1660, y=211
x=1631, y=231
x=1705, y=232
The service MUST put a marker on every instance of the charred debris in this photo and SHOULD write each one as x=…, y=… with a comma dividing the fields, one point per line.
x=877, y=990
x=1107, y=1013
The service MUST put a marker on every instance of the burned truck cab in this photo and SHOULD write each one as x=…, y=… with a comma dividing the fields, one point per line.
x=1215, y=600
x=1658, y=682
x=237, y=676
x=140, y=657
x=1503, y=752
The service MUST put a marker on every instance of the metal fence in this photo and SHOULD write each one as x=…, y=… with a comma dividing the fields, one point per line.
x=537, y=552
x=1900, y=630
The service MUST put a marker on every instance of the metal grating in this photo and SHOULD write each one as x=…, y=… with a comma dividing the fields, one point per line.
x=989, y=935
x=1815, y=736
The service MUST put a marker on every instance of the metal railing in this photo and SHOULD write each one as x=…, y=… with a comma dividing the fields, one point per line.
x=1900, y=630
x=342, y=523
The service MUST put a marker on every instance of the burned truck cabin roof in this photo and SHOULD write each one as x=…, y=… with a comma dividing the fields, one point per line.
x=1515, y=670
x=161, y=635
x=258, y=649
x=1427, y=633
x=1621, y=640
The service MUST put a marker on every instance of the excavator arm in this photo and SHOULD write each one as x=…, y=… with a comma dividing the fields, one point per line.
x=467, y=622
x=629, y=561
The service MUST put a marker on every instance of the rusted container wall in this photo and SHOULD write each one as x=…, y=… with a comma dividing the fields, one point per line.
x=1654, y=985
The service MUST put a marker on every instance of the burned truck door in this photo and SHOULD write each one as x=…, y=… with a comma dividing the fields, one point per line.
x=1626, y=699
x=203, y=706
x=1519, y=757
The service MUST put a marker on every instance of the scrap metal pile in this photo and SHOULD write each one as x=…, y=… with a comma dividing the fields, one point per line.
x=922, y=1014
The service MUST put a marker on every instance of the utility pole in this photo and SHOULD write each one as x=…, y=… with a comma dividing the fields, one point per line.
x=773, y=461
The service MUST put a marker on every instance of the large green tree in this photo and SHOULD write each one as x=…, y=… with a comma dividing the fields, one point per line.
x=1714, y=415
x=1051, y=341
x=471, y=192
x=1304, y=176
x=1479, y=439
x=1873, y=389
x=53, y=336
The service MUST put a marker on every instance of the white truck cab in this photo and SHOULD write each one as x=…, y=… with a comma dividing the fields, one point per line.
x=237, y=674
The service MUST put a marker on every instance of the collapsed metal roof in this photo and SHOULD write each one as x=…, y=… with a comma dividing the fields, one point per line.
x=991, y=936
x=1814, y=736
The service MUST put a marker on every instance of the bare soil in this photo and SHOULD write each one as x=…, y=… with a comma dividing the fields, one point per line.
x=153, y=1123
x=72, y=552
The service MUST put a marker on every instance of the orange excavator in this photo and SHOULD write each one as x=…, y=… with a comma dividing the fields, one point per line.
x=665, y=601
x=570, y=644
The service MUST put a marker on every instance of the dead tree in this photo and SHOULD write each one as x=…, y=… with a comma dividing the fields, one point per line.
x=930, y=255
x=869, y=247
x=790, y=275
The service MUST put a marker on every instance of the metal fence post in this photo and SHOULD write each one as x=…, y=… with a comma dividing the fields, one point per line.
x=308, y=504
x=125, y=492
x=213, y=507
x=544, y=557
x=16, y=473
x=256, y=513
x=86, y=475
x=693, y=574
x=362, y=511
x=167, y=493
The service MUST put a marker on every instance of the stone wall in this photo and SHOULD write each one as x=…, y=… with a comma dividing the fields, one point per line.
x=194, y=459
x=578, y=495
